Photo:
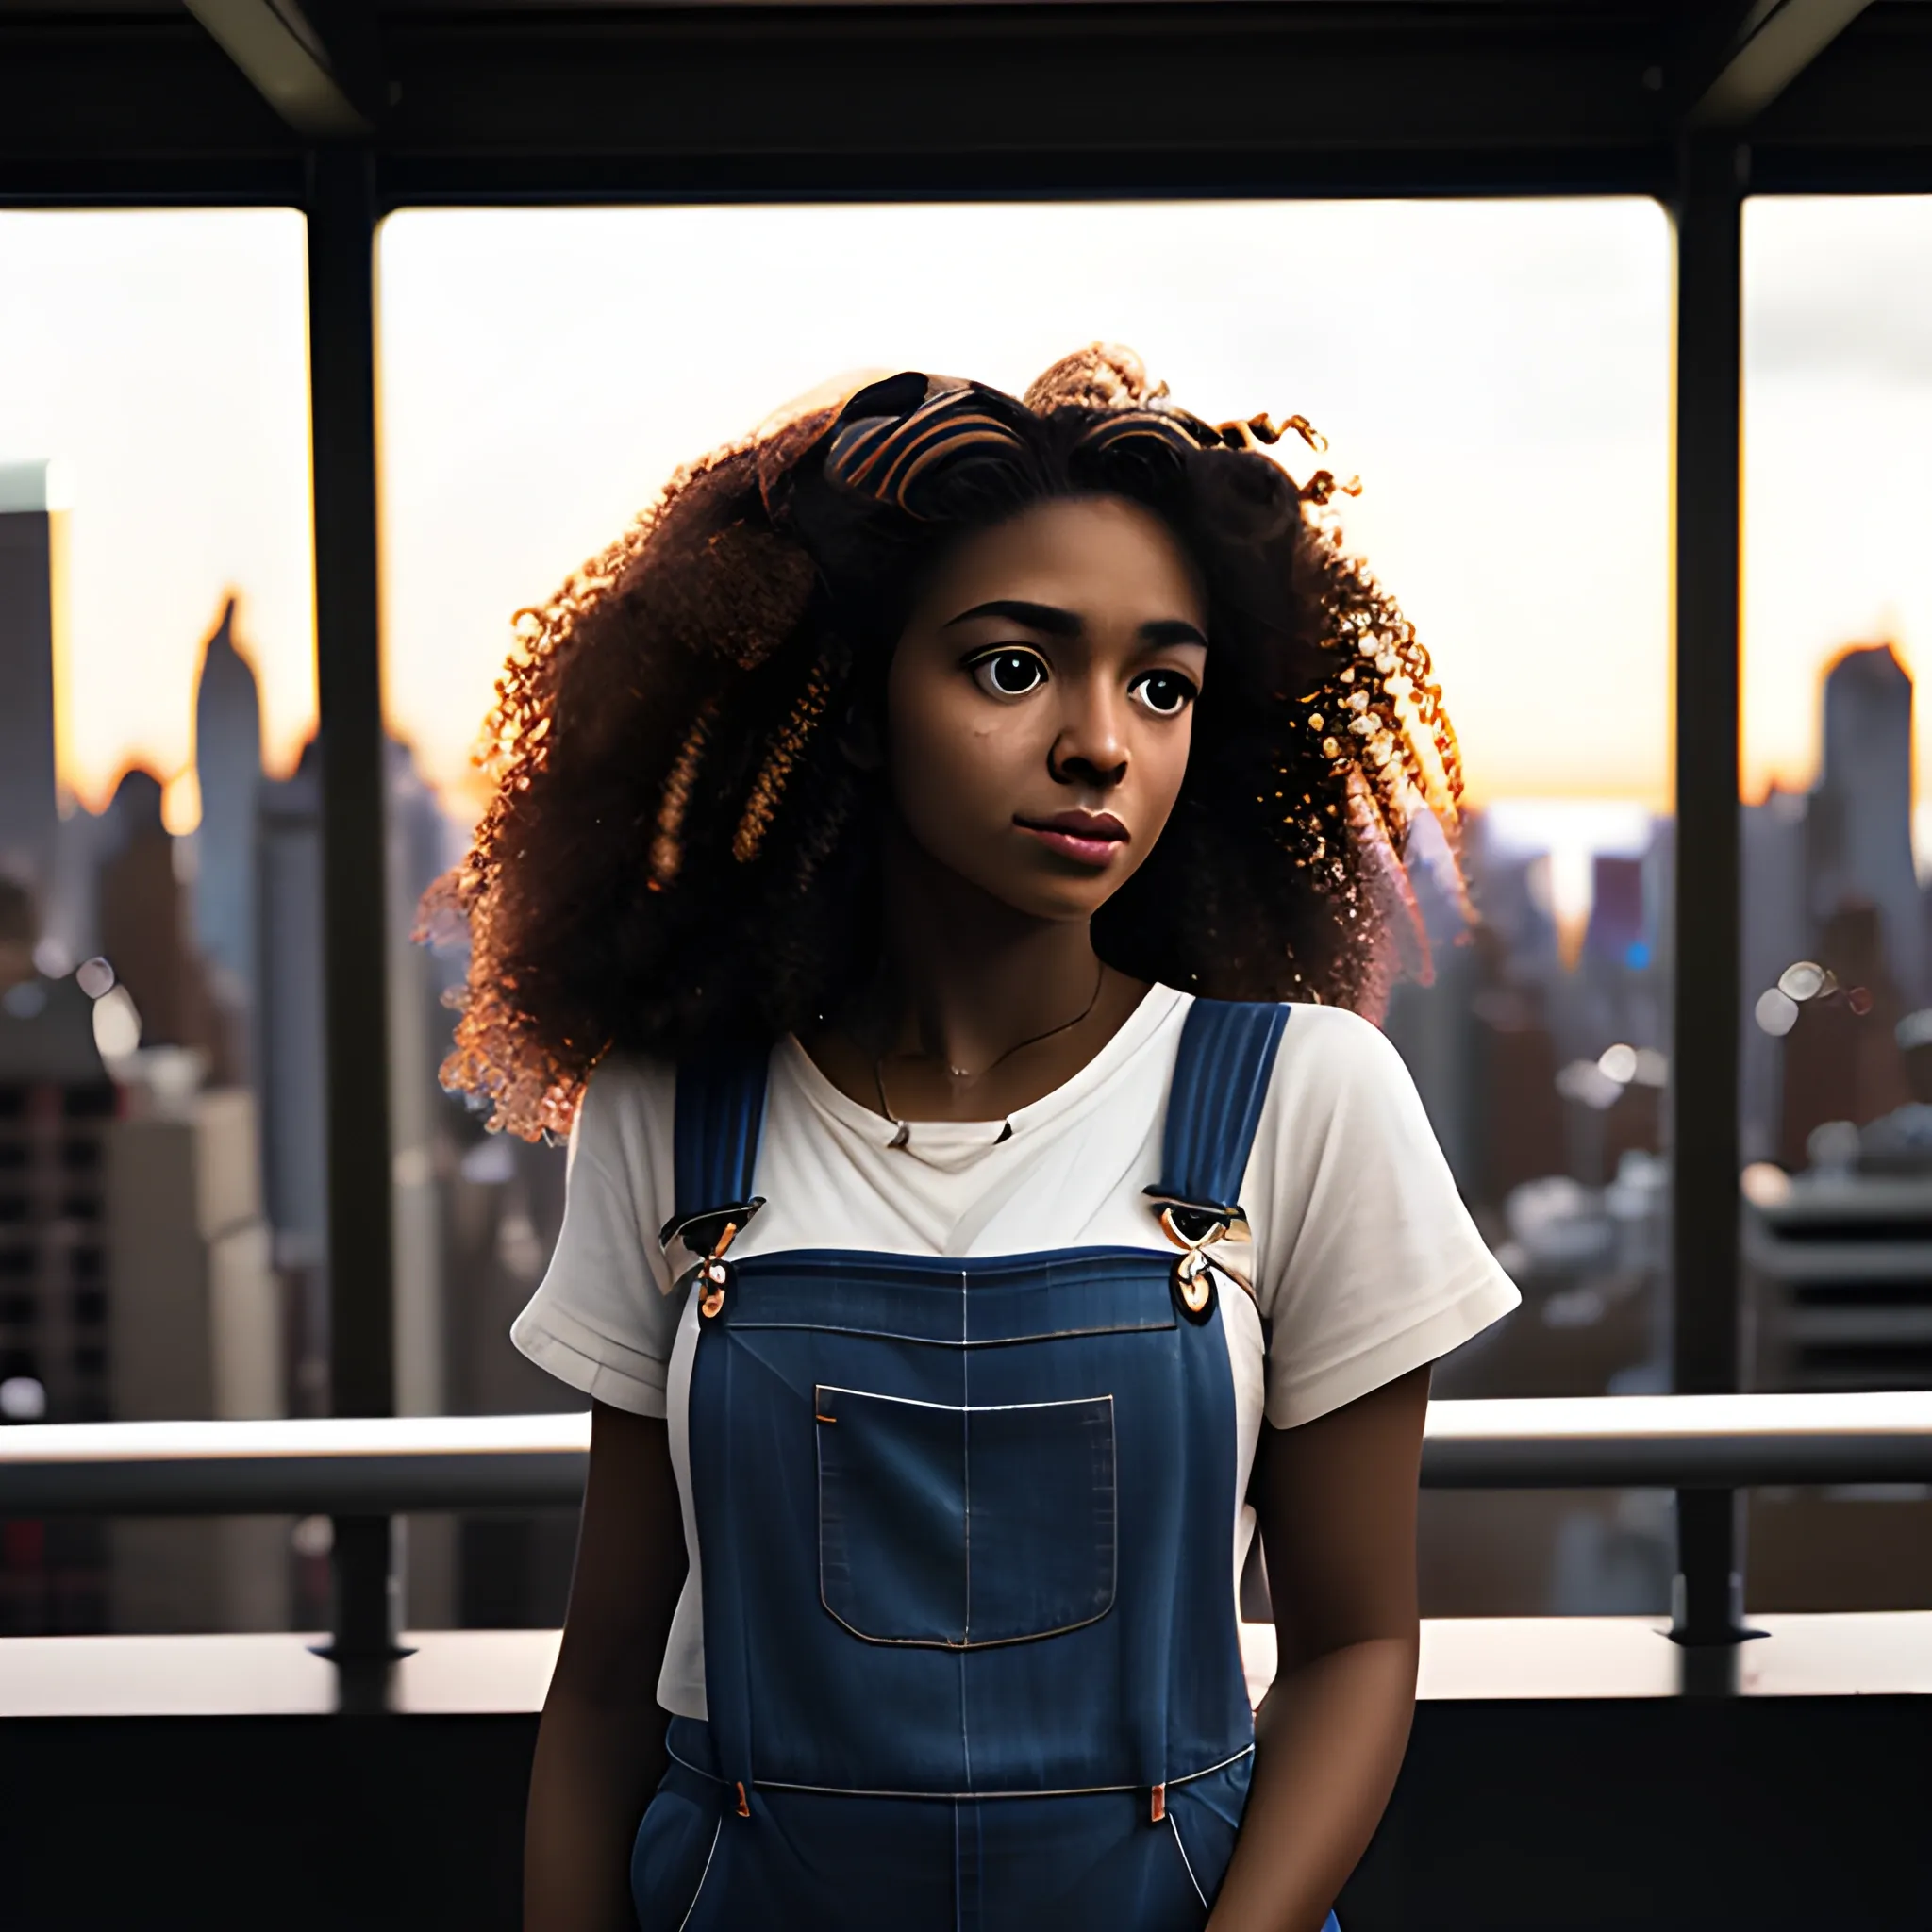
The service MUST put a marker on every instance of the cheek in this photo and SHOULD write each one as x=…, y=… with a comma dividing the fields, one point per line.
x=1164, y=764
x=953, y=759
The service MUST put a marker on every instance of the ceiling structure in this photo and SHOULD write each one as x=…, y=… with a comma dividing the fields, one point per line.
x=462, y=99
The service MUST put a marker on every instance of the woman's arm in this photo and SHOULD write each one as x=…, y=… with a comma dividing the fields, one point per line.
x=1336, y=1502
x=600, y=1748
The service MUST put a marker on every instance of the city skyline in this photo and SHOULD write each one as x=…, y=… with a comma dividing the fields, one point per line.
x=1540, y=1049
x=184, y=443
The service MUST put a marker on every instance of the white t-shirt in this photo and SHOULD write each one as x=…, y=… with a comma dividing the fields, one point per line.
x=1363, y=1264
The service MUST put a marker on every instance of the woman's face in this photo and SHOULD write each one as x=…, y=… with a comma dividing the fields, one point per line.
x=1039, y=704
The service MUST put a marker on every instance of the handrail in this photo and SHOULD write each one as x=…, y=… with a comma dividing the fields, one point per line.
x=350, y=1466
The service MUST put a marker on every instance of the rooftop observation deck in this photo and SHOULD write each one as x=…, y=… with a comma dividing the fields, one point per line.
x=1563, y=1772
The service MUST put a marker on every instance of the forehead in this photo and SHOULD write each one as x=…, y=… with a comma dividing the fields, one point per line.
x=1098, y=555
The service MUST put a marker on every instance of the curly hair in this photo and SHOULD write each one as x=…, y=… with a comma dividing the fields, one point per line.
x=676, y=849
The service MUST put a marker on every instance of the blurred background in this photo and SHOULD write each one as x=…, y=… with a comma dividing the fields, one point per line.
x=1499, y=375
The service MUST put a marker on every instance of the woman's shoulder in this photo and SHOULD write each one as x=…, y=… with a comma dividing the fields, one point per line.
x=629, y=1098
x=1331, y=1034
x=1318, y=1040
x=630, y=1080
x=1323, y=1050
x=1329, y=1056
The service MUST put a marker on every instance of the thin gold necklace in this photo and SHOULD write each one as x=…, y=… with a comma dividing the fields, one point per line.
x=878, y=1065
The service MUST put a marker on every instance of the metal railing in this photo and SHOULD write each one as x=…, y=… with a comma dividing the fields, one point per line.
x=354, y=1467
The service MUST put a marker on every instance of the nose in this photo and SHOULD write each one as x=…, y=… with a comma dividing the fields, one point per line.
x=1091, y=747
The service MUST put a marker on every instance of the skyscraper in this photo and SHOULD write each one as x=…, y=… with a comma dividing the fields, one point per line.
x=1777, y=932
x=290, y=1068
x=32, y=522
x=290, y=1035
x=144, y=922
x=227, y=767
x=56, y=1111
x=290, y=1032
x=1860, y=826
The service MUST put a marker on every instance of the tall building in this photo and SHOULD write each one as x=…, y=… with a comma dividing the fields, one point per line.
x=1859, y=824
x=195, y=1329
x=227, y=767
x=1619, y=930
x=56, y=1110
x=290, y=1031
x=291, y=1064
x=1842, y=1062
x=57, y=1106
x=145, y=925
x=32, y=532
x=1777, y=932
x=1428, y=1019
x=70, y=910
x=418, y=1028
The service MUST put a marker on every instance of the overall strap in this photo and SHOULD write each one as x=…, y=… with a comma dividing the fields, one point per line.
x=720, y=1111
x=1220, y=1078
x=720, y=1115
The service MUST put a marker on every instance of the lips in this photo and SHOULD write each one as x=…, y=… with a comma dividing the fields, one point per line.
x=1090, y=838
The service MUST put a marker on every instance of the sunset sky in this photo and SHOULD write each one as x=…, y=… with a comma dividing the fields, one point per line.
x=1497, y=373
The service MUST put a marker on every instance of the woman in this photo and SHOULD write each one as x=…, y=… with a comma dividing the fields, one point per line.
x=904, y=843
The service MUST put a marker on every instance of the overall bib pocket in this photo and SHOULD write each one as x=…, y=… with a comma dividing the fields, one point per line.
x=958, y=1527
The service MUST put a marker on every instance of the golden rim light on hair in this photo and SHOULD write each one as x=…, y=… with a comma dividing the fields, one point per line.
x=714, y=584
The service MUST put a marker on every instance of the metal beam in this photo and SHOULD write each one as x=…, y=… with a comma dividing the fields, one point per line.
x=1705, y=1000
x=342, y=360
x=984, y=81
x=560, y=105
x=277, y=45
x=1775, y=42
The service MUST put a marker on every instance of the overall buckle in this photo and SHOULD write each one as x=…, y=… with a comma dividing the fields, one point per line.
x=1194, y=1226
x=707, y=1235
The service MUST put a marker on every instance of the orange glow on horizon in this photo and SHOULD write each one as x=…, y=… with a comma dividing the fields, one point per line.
x=1508, y=409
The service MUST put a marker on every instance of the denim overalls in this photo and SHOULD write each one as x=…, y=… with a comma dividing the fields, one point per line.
x=971, y=1654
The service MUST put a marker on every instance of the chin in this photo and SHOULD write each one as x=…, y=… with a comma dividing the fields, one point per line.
x=1057, y=907
x=1038, y=892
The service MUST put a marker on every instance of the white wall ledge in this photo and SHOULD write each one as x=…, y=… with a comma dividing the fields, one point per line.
x=484, y=1671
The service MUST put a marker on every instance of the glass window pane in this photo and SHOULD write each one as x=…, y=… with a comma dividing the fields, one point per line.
x=1836, y=1100
x=1497, y=374
x=156, y=694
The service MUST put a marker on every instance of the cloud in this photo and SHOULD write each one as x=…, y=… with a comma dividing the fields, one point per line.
x=1840, y=286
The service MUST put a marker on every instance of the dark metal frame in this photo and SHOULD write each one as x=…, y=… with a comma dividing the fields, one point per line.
x=1708, y=1599
x=722, y=103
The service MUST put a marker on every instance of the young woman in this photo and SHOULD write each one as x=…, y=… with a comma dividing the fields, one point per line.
x=933, y=862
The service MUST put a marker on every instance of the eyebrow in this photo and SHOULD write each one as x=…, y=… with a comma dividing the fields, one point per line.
x=1056, y=623
x=1049, y=618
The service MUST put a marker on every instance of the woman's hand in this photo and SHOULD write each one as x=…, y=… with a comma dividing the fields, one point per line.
x=600, y=1748
x=1336, y=1502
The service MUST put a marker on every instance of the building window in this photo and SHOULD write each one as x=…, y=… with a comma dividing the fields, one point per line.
x=1497, y=374
x=157, y=687
x=1836, y=1096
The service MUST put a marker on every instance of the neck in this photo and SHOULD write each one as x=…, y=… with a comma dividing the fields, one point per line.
x=964, y=976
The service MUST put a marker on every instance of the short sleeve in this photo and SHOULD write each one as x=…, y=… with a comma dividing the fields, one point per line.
x=601, y=1319
x=1366, y=1263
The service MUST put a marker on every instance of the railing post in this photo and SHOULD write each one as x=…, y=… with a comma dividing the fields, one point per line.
x=342, y=362
x=1708, y=1596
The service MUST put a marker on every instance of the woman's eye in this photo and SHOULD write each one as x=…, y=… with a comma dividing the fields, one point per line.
x=1166, y=694
x=1008, y=674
